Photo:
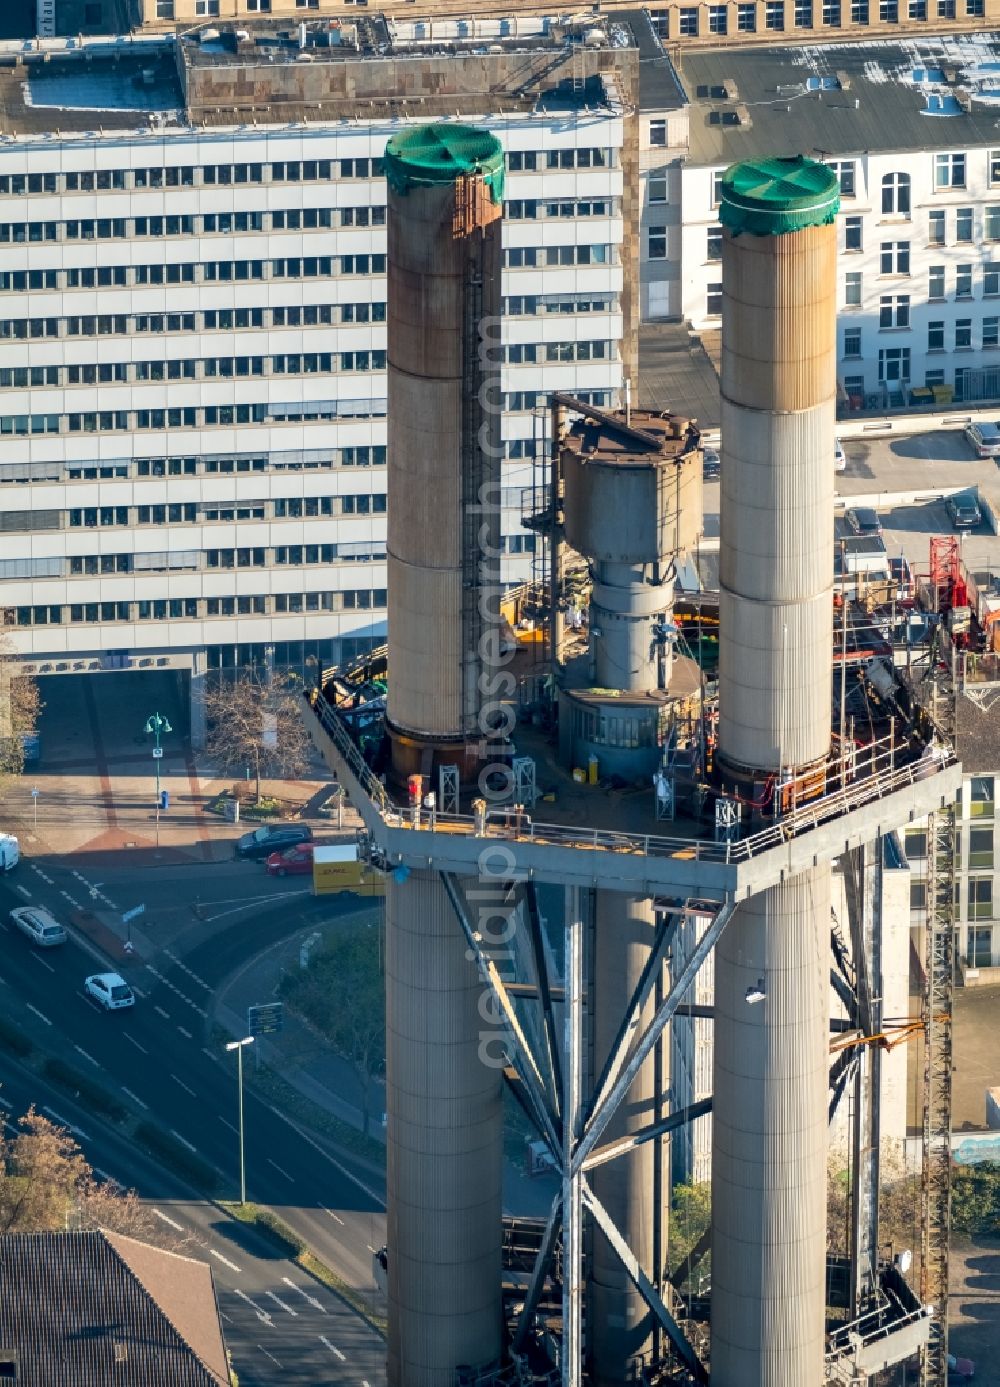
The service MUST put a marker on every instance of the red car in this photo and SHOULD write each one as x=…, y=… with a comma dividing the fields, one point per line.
x=295, y=861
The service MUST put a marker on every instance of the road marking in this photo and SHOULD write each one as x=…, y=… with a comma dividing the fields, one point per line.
x=39, y=959
x=42, y=874
x=316, y=1304
x=164, y=1014
x=40, y=1014
x=278, y=1301
x=262, y=1315
x=265, y=1352
x=108, y=1179
x=176, y=990
x=23, y=890
x=138, y=991
x=226, y=1123
x=190, y=971
x=63, y=1123
x=185, y=1087
x=166, y=1217
x=5, y=1104
x=225, y=1261
x=316, y=1146
x=81, y=1051
x=133, y=1040
x=135, y=1099
x=224, y=1316
x=280, y=1171
x=335, y=1217
x=184, y=1141
x=74, y=903
x=186, y=1033
x=333, y=1348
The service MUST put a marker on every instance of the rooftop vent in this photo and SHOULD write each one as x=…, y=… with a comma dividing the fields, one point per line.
x=941, y=104
x=719, y=91
x=738, y=115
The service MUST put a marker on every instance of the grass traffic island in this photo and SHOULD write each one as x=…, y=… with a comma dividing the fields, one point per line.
x=288, y=1242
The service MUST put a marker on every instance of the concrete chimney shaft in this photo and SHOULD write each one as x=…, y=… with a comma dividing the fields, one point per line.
x=445, y=1135
x=775, y=673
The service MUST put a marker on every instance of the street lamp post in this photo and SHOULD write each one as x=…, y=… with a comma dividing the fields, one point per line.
x=238, y=1046
x=156, y=724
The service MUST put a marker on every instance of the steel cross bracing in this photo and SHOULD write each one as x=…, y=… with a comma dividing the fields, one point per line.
x=571, y=1122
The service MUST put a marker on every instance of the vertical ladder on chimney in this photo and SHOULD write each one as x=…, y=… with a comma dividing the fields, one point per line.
x=939, y=966
x=475, y=555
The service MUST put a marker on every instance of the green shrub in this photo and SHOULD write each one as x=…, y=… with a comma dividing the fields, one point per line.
x=173, y=1153
x=96, y=1097
x=975, y=1198
x=14, y=1040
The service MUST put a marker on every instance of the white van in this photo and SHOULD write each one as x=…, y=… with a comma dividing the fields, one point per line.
x=10, y=852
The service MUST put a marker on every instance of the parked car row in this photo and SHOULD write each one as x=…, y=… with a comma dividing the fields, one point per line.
x=40, y=926
x=712, y=463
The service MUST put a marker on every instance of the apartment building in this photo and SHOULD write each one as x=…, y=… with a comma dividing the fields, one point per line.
x=192, y=321
x=977, y=847
x=683, y=25
x=912, y=132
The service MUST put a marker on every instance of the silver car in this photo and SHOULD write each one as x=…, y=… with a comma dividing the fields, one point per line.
x=39, y=925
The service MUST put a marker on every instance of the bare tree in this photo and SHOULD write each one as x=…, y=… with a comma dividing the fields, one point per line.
x=47, y=1186
x=256, y=724
x=19, y=709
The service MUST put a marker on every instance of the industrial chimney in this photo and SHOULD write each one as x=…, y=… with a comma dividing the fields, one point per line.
x=775, y=662
x=443, y=1102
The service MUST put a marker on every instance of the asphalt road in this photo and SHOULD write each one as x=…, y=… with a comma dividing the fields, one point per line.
x=158, y=1057
x=274, y=1316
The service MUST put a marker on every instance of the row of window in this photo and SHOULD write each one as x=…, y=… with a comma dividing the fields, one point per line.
x=961, y=339
x=894, y=309
x=126, y=421
x=950, y=170
x=304, y=315
x=534, y=209
x=535, y=257
x=191, y=560
x=201, y=368
x=965, y=230
x=286, y=267
x=287, y=171
x=194, y=272
x=194, y=512
x=282, y=364
x=189, y=176
x=186, y=224
x=198, y=608
x=802, y=14
x=303, y=460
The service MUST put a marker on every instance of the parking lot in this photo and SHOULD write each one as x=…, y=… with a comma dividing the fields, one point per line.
x=914, y=463
x=922, y=462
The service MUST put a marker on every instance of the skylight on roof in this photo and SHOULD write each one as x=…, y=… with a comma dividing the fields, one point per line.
x=932, y=76
x=825, y=84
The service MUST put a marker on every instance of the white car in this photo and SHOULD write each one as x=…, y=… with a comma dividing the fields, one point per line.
x=839, y=456
x=109, y=990
x=39, y=925
x=985, y=439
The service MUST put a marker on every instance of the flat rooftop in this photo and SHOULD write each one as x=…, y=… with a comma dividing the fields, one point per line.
x=91, y=89
x=935, y=92
x=221, y=73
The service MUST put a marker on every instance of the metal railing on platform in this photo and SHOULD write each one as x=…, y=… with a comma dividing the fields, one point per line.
x=882, y=776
